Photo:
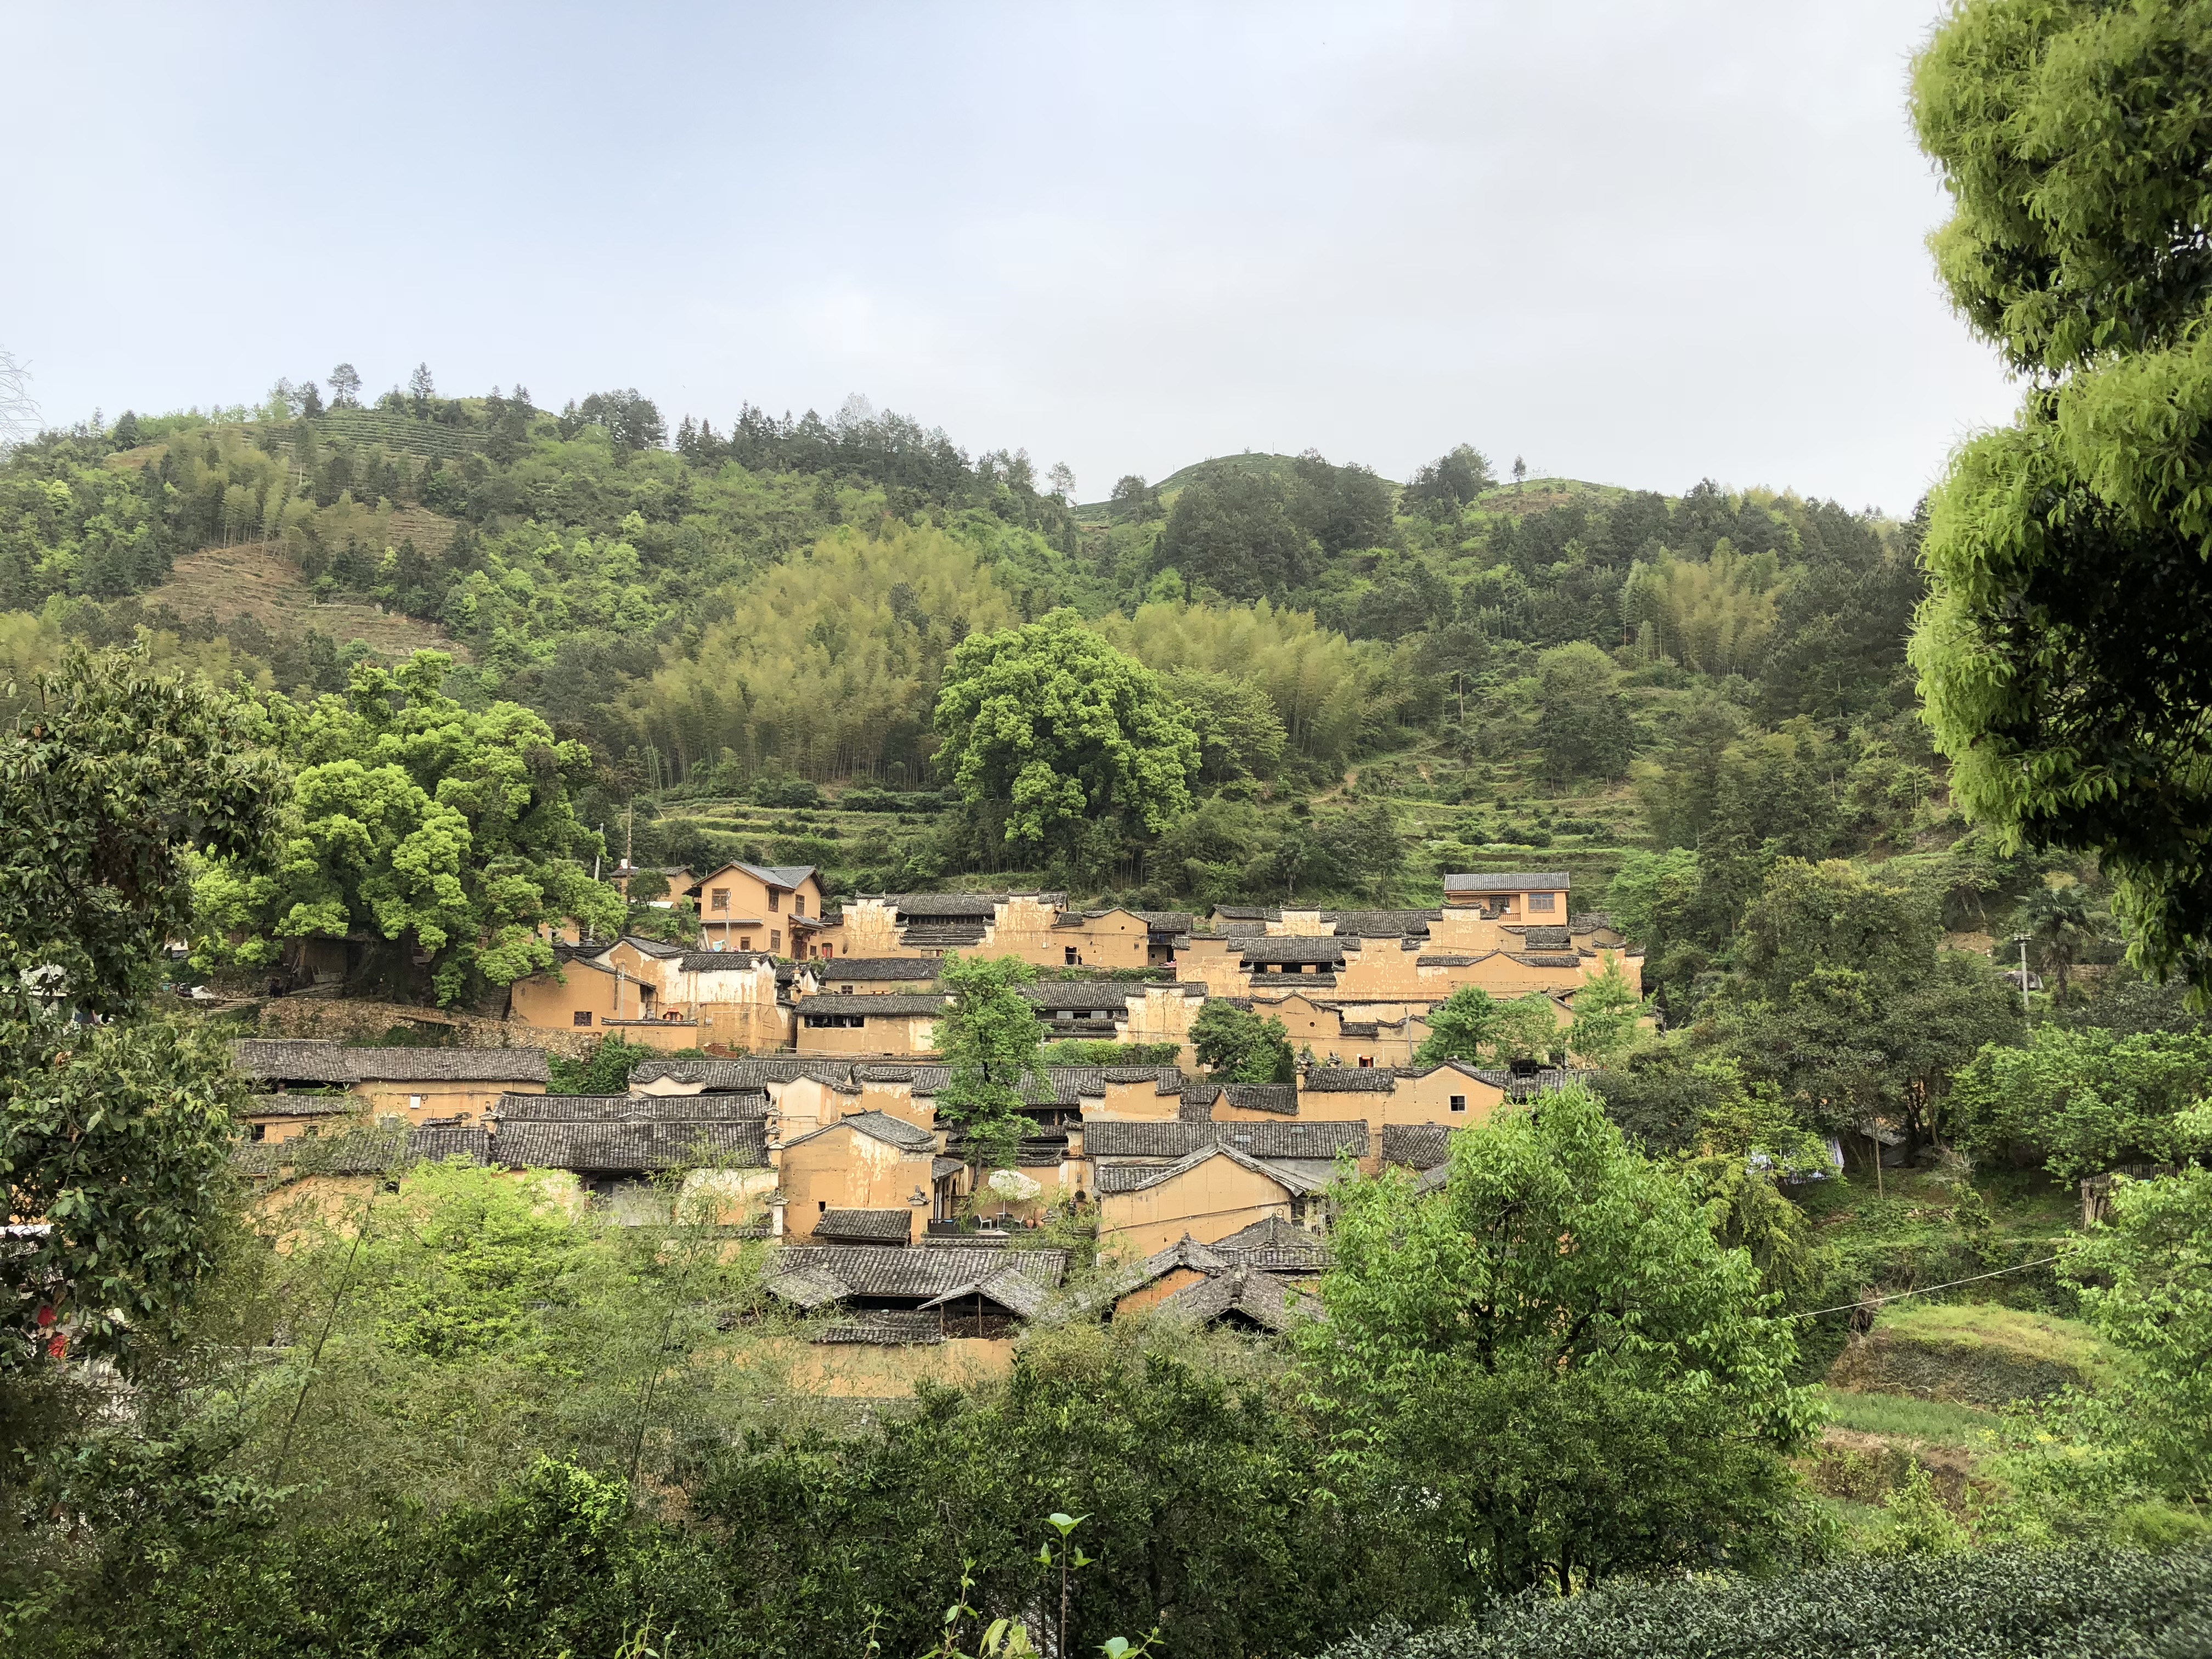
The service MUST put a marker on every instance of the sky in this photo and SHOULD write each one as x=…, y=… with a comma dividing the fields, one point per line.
x=1637, y=243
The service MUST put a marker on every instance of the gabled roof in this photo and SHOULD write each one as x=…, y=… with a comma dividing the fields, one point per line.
x=294, y=1059
x=1004, y=1283
x=1296, y=1177
x=649, y=947
x=1185, y=1253
x=785, y=876
x=1275, y=1244
x=1258, y=1296
x=1157, y=1139
x=865, y=1226
x=1508, y=881
x=879, y=1126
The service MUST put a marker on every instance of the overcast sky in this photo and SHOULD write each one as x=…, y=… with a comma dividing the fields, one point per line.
x=1640, y=243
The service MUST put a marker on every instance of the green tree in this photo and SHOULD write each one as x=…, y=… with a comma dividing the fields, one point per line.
x=2062, y=650
x=989, y=1038
x=2059, y=922
x=1051, y=720
x=1239, y=733
x=1472, y=1025
x=1607, y=1017
x=114, y=1125
x=1583, y=723
x=2145, y=1279
x=1237, y=1045
x=1450, y=482
x=450, y=834
x=1234, y=533
x=1841, y=998
x=1558, y=1356
x=2081, y=1100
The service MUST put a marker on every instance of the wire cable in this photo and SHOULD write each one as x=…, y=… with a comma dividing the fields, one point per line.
x=1925, y=1290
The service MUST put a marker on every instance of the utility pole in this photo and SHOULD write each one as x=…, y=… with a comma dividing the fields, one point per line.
x=629, y=834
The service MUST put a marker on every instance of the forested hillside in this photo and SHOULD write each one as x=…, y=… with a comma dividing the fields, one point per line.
x=746, y=622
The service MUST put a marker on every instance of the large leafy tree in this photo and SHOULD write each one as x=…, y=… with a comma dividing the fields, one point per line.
x=114, y=1123
x=1582, y=722
x=1559, y=1357
x=448, y=834
x=2062, y=651
x=1842, y=998
x=1237, y=1045
x=1236, y=533
x=1472, y=1025
x=989, y=1038
x=2083, y=1100
x=1053, y=721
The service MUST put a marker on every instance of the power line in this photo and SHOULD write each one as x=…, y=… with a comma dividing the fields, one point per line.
x=1925, y=1290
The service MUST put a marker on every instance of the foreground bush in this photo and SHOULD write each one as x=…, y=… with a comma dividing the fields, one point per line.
x=2086, y=1604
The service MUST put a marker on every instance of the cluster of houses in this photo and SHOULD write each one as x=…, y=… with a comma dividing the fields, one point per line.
x=796, y=1093
x=772, y=970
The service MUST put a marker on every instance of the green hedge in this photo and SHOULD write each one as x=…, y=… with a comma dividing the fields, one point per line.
x=2074, y=1604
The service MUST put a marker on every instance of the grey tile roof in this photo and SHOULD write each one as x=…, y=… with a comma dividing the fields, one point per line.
x=1416, y=1145
x=1245, y=1293
x=777, y=875
x=1185, y=1253
x=651, y=947
x=1381, y=924
x=947, y=905
x=1294, y=1175
x=1295, y=949
x=1508, y=881
x=1529, y=959
x=879, y=1126
x=893, y=1328
x=362, y=1151
x=1153, y=1139
x=294, y=1059
x=882, y=1004
x=453, y=1065
x=722, y=962
x=752, y=1072
x=1589, y=921
x=733, y=1107
x=1442, y=959
x=304, y=1105
x=1349, y=1079
x=631, y=1144
x=1281, y=1098
x=453, y=1141
x=1269, y=1233
x=1165, y=921
x=1541, y=937
x=1107, y=993
x=919, y=1272
x=864, y=1226
x=860, y=968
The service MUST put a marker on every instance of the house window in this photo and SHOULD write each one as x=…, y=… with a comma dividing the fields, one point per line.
x=1069, y=957
x=1459, y=1102
x=821, y=1207
x=775, y=937
x=1542, y=901
x=847, y=989
x=721, y=901
x=744, y=942
x=774, y=901
x=260, y=1133
x=583, y=1016
x=828, y=951
x=799, y=904
x=1367, y=1060
x=414, y=1102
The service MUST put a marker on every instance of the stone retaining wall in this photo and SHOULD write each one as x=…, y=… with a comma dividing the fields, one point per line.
x=350, y=1020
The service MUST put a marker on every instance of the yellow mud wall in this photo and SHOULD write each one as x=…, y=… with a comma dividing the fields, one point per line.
x=1210, y=1201
x=844, y=1170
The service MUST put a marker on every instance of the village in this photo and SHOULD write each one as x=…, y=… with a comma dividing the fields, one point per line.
x=794, y=1094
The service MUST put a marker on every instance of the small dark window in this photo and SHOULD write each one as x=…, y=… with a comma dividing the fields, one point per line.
x=1459, y=1102
x=1367, y=1060
x=1070, y=956
x=774, y=901
x=260, y=1133
x=583, y=1016
x=822, y=1205
x=775, y=937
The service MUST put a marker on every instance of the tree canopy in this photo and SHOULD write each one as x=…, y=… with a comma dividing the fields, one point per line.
x=1052, y=720
x=448, y=835
x=2062, y=650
